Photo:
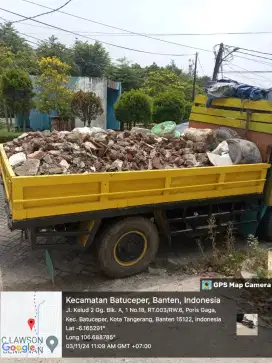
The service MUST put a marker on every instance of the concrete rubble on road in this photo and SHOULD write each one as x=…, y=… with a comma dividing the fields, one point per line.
x=48, y=153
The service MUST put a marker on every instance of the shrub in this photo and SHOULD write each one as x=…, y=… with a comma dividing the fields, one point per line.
x=87, y=106
x=133, y=107
x=187, y=110
x=168, y=106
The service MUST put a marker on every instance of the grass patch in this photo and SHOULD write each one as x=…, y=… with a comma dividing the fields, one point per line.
x=6, y=136
x=229, y=261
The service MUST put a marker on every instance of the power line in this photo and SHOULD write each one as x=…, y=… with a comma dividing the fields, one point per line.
x=251, y=79
x=29, y=41
x=114, y=27
x=254, y=55
x=253, y=51
x=254, y=60
x=248, y=50
x=250, y=72
x=244, y=69
x=84, y=36
x=27, y=35
x=201, y=66
x=154, y=34
x=47, y=12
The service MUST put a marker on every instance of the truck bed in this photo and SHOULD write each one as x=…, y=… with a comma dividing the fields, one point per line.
x=43, y=196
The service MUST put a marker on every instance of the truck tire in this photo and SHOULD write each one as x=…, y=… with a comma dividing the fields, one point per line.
x=127, y=247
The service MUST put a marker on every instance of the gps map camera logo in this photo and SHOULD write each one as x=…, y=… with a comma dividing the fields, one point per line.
x=206, y=285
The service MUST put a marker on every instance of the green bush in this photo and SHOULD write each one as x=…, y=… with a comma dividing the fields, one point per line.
x=4, y=139
x=187, y=110
x=132, y=108
x=87, y=106
x=168, y=106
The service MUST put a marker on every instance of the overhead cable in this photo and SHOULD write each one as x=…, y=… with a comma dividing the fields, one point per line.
x=117, y=28
x=93, y=39
x=47, y=12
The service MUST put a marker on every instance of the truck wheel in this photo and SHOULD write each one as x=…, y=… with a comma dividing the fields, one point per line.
x=127, y=247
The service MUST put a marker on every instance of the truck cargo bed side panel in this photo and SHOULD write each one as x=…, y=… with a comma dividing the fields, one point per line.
x=52, y=195
x=55, y=195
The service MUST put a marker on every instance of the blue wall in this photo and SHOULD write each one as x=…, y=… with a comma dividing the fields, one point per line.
x=112, y=97
x=42, y=121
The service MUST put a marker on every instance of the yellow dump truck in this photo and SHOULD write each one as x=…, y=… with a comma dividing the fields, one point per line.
x=126, y=214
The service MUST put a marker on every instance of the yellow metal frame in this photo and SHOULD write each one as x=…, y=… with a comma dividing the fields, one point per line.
x=134, y=262
x=234, y=113
x=41, y=196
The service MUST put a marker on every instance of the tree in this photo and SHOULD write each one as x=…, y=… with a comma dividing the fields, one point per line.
x=87, y=106
x=92, y=60
x=53, y=48
x=17, y=92
x=168, y=106
x=131, y=76
x=172, y=67
x=6, y=62
x=203, y=81
x=11, y=39
x=162, y=81
x=52, y=91
x=153, y=68
x=133, y=107
x=24, y=56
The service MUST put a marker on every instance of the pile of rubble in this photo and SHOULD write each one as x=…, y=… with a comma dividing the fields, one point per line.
x=47, y=153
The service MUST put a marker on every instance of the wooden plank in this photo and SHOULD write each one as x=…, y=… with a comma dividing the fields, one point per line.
x=262, y=105
x=260, y=127
x=239, y=124
x=255, y=116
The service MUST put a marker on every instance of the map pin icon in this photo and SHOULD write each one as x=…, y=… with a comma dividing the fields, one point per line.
x=52, y=342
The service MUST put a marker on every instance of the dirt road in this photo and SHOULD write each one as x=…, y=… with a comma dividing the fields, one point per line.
x=22, y=269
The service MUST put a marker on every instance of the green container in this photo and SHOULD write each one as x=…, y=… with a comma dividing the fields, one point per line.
x=167, y=127
x=250, y=228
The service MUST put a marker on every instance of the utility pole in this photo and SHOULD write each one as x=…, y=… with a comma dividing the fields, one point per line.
x=218, y=62
x=194, y=82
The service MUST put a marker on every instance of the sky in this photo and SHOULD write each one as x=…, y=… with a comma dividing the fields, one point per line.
x=163, y=17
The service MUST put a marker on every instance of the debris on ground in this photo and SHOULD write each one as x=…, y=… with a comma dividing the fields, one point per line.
x=45, y=153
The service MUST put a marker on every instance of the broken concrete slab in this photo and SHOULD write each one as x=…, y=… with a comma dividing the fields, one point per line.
x=29, y=168
x=17, y=159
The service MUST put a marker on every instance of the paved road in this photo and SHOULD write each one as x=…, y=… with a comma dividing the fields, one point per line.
x=24, y=269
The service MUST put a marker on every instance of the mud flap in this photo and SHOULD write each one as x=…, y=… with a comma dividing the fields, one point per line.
x=251, y=228
x=85, y=241
x=162, y=225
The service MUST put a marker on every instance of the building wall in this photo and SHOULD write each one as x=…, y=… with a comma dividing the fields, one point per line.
x=100, y=86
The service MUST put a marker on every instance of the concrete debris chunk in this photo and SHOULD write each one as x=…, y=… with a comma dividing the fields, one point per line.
x=64, y=165
x=97, y=151
x=73, y=136
x=17, y=159
x=48, y=159
x=89, y=145
x=19, y=149
x=39, y=154
x=29, y=168
x=23, y=135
